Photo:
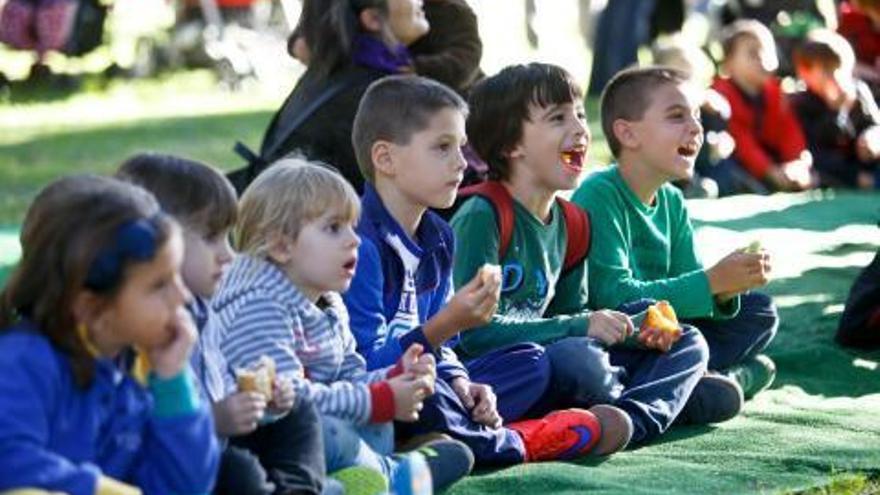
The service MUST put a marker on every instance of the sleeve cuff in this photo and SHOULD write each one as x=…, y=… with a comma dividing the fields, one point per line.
x=175, y=396
x=416, y=335
x=397, y=370
x=579, y=325
x=728, y=309
x=382, y=402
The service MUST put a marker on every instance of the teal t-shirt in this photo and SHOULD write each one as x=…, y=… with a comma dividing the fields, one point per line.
x=641, y=251
x=538, y=303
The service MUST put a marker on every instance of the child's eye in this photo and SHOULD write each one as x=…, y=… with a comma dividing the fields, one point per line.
x=444, y=147
x=333, y=227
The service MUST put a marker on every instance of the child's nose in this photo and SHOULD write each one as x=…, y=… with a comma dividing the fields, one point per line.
x=179, y=293
x=354, y=239
x=460, y=160
x=224, y=253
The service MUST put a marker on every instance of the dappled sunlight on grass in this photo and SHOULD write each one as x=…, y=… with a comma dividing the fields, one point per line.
x=129, y=101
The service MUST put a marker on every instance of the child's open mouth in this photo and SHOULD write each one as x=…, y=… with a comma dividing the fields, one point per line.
x=350, y=265
x=689, y=150
x=573, y=159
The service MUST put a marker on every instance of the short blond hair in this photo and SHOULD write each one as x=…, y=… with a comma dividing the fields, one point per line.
x=289, y=194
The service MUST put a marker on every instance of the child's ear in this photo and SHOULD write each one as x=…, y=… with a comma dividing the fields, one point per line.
x=87, y=307
x=625, y=133
x=383, y=157
x=515, y=153
x=371, y=20
x=280, y=248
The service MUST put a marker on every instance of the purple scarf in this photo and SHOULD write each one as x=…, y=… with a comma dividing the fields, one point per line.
x=371, y=52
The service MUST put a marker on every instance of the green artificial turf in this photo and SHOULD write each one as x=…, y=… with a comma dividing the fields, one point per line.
x=822, y=417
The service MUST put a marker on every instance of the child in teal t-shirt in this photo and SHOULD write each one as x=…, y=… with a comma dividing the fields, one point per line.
x=643, y=241
x=528, y=123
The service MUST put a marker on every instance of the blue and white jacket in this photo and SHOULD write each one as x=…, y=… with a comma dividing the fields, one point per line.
x=376, y=290
x=213, y=374
x=59, y=437
x=261, y=313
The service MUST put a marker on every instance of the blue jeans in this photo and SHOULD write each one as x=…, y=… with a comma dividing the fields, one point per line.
x=652, y=387
x=346, y=445
x=743, y=336
x=444, y=412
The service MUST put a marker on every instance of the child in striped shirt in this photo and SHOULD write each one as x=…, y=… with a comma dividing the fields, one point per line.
x=280, y=298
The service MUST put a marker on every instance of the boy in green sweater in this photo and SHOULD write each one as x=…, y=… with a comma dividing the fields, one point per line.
x=528, y=124
x=643, y=241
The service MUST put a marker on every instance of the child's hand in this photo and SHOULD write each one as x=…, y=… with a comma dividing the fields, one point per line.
x=418, y=363
x=171, y=358
x=609, y=327
x=409, y=392
x=238, y=413
x=798, y=173
x=475, y=303
x=738, y=272
x=653, y=338
x=868, y=144
x=480, y=400
x=283, y=397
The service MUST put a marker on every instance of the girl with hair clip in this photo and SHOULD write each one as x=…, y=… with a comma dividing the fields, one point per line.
x=351, y=43
x=99, y=275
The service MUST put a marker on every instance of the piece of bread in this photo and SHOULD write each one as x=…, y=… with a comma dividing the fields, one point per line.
x=754, y=247
x=488, y=270
x=258, y=378
x=662, y=317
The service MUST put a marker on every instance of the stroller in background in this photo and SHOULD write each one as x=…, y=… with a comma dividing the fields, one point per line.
x=239, y=39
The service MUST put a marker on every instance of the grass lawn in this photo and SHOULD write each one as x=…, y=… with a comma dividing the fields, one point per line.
x=816, y=431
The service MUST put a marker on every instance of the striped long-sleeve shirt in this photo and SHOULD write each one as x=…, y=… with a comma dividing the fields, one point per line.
x=261, y=313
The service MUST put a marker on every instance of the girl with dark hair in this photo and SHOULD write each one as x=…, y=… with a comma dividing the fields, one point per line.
x=99, y=275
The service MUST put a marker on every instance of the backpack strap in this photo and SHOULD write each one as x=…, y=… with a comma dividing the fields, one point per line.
x=499, y=197
x=577, y=225
x=577, y=221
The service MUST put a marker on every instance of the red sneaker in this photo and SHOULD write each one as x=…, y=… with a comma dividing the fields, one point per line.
x=559, y=435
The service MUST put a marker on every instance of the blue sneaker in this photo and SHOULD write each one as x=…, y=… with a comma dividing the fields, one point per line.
x=413, y=476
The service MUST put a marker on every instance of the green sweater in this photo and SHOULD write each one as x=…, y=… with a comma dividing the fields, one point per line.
x=538, y=304
x=641, y=251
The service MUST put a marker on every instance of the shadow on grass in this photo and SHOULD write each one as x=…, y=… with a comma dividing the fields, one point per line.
x=27, y=166
x=804, y=349
x=817, y=215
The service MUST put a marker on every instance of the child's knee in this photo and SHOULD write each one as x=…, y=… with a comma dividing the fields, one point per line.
x=341, y=442
x=694, y=344
x=582, y=368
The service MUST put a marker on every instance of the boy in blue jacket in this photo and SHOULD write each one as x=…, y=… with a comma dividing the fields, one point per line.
x=408, y=135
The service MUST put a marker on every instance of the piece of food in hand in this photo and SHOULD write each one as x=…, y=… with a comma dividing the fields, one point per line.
x=754, y=247
x=661, y=317
x=259, y=377
x=489, y=271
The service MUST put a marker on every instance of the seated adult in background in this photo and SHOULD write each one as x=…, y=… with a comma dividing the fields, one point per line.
x=351, y=43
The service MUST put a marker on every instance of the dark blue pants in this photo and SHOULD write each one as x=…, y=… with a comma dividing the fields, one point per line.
x=519, y=376
x=284, y=456
x=652, y=387
x=743, y=336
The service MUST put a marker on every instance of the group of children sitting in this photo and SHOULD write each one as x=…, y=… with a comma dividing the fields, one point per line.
x=827, y=134
x=364, y=344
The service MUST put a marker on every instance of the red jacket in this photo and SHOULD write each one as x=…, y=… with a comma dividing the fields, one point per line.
x=762, y=140
x=856, y=27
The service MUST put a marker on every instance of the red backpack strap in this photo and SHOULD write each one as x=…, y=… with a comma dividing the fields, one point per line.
x=499, y=197
x=577, y=226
